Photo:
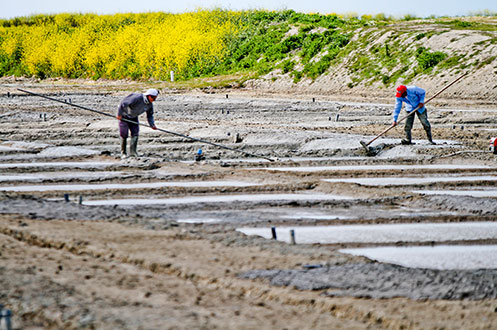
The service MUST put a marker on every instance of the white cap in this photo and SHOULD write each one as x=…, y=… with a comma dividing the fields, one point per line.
x=152, y=92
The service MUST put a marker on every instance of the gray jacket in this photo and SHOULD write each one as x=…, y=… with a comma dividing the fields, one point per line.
x=134, y=105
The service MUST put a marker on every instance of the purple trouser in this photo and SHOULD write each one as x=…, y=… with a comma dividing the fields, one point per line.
x=125, y=126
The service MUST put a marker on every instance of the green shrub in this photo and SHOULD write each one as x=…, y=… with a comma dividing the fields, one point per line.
x=427, y=59
x=420, y=36
x=287, y=66
x=297, y=76
x=409, y=17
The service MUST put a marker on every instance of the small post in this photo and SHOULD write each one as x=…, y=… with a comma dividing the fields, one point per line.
x=8, y=94
x=462, y=127
x=172, y=75
x=227, y=112
x=292, y=236
x=336, y=119
x=44, y=117
x=313, y=99
x=273, y=232
x=66, y=197
x=6, y=314
x=80, y=200
x=329, y=118
x=226, y=95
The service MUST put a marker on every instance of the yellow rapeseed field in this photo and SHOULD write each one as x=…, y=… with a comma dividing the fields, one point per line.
x=117, y=46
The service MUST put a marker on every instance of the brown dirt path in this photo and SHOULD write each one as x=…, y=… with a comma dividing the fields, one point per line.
x=76, y=274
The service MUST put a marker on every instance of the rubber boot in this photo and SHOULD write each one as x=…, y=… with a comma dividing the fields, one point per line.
x=407, y=140
x=428, y=135
x=123, y=148
x=133, y=146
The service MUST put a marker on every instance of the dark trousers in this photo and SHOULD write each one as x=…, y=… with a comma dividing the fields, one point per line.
x=423, y=118
x=125, y=126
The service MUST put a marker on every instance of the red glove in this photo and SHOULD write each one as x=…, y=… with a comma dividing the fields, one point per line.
x=119, y=117
x=153, y=127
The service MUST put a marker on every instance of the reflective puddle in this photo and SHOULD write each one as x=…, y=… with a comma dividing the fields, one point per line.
x=219, y=199
x=59, y=164
x=146, y=185
x=437, y=257
x=371, y=168
x=199, y=220
x=419, y=232
x=62, y=176
x=314, y=216
x=233, y=160
x=472, y=193
x=4, y=148
x=406, y=181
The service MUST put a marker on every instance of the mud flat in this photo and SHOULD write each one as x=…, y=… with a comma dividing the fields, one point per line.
x=409, y=181
x=433, y=257
x=473, y=193
x=382, y=233
x=88, y=240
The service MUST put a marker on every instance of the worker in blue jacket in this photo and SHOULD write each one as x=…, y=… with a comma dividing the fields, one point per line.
x=413, y=97
x=130, y=108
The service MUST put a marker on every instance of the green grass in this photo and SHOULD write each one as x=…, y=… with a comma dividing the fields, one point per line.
x=462, y=24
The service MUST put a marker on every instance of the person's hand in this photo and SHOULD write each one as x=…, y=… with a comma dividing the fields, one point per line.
x=421, y=105
x=394, y=123
x=119, y=117
x=153, y=127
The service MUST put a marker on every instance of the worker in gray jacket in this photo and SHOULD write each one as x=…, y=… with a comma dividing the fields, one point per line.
x=129, y=109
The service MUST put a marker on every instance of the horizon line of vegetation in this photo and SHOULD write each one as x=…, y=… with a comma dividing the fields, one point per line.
x=31, y=19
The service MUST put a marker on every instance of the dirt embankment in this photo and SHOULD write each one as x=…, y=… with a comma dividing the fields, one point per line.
x=474, y=52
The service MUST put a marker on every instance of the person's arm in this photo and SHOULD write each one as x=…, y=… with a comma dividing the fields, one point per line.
x=421, y=95
x=396, y=110
x=120, y=110
x=150, y=118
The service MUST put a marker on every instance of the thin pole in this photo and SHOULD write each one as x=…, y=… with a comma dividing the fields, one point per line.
x=412, y=112
x=159, y=129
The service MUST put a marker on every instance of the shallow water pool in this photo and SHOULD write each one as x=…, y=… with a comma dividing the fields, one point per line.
x=145, y=185
x=382, y=233
x=219, y=199
x=436, y=257
x=410, y=181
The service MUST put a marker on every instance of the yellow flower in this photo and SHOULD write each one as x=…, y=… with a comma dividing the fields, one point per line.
x=122, y=45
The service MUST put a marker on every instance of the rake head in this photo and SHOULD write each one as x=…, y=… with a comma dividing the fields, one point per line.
x=372, y=151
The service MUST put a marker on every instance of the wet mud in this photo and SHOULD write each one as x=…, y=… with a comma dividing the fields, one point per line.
x=369, y=281
x=76, y=253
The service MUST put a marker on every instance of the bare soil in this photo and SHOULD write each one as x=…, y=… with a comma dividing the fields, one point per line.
x=71, y=265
